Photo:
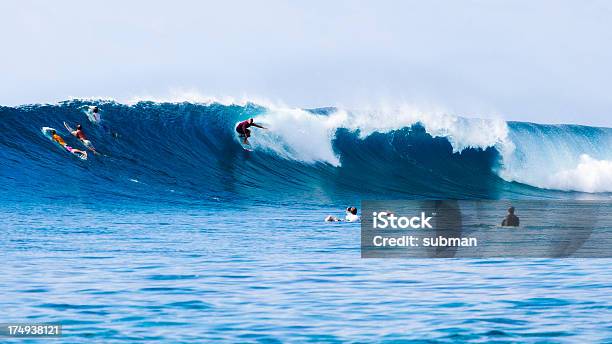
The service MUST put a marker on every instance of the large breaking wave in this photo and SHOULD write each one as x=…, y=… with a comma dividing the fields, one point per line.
x=186, y=152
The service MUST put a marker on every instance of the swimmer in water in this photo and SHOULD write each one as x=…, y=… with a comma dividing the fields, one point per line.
x=351, y=216
x=511, y=220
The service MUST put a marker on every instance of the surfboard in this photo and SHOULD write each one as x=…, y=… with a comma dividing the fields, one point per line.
x=70, y=130
x=47, y=132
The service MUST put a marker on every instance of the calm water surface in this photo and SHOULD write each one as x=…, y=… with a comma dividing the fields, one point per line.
x=273, y=275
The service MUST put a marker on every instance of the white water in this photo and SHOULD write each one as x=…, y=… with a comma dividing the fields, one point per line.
x=553, y=157
x=568, y=158
x=591, y=175
x=301, y=135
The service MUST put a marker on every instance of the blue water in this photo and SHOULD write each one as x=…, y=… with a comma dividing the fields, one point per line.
x=176, y=234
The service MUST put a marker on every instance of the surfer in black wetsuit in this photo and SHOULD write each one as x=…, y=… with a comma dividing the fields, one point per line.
x=243, y=131
x=511, y=220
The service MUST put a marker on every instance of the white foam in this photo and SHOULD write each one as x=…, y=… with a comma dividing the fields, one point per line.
x=195, y=97
x=560, y=157
x=590, y=175
x=461, y=132
x=297, y=134
x=538, y=157
x=301, y=135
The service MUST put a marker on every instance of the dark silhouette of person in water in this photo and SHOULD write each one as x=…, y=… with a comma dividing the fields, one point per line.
x=511, y=220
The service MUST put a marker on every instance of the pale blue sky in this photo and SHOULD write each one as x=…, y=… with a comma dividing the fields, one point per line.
x=543, y=61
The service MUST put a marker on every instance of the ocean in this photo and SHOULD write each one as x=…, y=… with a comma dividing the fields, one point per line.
x=175, y=233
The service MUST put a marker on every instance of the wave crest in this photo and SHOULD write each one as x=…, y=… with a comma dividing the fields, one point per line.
x=307, y=136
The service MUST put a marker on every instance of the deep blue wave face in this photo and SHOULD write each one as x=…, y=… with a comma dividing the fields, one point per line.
x=411, y=162
x=159, y=153
x=189, y=153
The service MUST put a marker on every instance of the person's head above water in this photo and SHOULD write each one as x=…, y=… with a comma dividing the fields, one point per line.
x=95, y=109
x=351, y=210
x=511, y=210
x=79, y=127
x=52, y=132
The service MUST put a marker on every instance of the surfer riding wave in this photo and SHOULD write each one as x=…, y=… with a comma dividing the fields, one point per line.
x=244, y=132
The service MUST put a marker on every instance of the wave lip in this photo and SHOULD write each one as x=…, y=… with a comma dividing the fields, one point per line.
x=307, y=135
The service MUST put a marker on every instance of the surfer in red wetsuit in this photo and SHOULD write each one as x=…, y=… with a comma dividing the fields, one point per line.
x=80, y=134
x=242, y=129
